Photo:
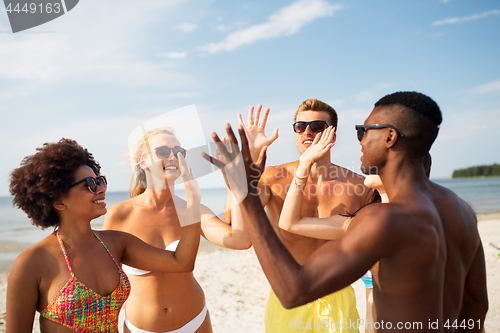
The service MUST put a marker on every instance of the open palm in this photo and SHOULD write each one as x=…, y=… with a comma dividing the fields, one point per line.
x=255, y=132
x=320, y=146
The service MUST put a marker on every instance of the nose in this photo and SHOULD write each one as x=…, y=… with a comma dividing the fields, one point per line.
x=101, y=188
x=308, y=130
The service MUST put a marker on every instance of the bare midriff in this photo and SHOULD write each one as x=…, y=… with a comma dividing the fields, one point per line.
x=162, y=302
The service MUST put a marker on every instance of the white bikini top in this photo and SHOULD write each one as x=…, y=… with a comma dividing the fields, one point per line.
x=129, y=270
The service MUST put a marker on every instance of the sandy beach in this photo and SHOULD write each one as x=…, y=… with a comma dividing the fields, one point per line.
x=236, y=288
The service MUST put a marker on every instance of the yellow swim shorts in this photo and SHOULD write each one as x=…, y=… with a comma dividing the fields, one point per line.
x=333, y=313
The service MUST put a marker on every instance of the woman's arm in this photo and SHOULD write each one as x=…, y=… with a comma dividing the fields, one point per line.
x=230, y=232
x=232, y=236
x=22, y=293
x=291, y=219
x=143, y=256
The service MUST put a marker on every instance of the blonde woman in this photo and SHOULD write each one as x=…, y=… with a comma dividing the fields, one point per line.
x=164, y=302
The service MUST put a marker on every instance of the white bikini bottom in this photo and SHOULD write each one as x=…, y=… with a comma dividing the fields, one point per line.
x=190, y=327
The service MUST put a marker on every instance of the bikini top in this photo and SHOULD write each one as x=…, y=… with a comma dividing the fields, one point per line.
x=80, y=308
x=136, y=271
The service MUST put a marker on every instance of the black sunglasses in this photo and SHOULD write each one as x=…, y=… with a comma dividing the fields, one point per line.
x=361, y=129
x=315, y=126
x=163, y=152
x=93, y=183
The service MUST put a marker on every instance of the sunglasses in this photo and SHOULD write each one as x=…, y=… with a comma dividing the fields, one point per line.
x=93, y=183
x=315, y=126
x=163, y=152
x=361, y=129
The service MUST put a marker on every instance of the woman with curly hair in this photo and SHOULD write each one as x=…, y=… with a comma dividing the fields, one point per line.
x=73, y=276
x=160, y=301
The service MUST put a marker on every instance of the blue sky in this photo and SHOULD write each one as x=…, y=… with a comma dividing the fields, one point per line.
x=105, y=67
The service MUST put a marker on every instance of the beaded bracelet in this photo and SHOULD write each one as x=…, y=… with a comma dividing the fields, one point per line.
x=295, y=177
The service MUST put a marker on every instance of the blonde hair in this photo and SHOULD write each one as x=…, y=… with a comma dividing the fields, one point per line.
x=314, y=104
x=138, y=184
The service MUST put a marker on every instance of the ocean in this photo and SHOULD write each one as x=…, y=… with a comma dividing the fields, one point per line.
x=483, y=195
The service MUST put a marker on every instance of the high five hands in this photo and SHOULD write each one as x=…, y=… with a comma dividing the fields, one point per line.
x=240, y=172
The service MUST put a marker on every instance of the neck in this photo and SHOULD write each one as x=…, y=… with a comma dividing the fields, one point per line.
x=159, y=198
x=401, y=174
x=74, y=231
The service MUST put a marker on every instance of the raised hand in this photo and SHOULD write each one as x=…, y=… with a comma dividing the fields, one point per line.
x=191, y=186
x=255, y=132
x=320, y=146
x=239, y=171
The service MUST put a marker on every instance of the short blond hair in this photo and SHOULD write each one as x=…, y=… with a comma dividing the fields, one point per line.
x=314, y=104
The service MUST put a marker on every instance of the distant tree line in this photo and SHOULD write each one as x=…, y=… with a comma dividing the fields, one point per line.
x=478, y=171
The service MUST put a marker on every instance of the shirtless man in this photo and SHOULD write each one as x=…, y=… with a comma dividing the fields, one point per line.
x=423, y=247
x=330, y=190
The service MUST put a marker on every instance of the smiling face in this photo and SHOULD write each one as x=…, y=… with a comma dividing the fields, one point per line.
x=80, y=202
x=167, y=168
x=305, y=139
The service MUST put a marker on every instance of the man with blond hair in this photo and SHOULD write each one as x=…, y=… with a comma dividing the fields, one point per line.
x=329, y=190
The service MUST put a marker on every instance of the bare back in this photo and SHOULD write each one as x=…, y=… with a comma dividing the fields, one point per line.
x=428, y=241
x=341, y=192
x=463, y=246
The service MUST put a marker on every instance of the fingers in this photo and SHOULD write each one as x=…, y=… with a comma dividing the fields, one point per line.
x=231, y=136
x=245, y=150
x=212, y=160
x=253, y=120
x=257, y=115
x=182, y=164
x=250, y=116
x=240, y=120
x=317, y=137
x=274, y=136
x=264, y=117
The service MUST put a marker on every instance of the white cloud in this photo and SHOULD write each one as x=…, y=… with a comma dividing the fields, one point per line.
x=454, y=20
x=108, y=47
x=287, y=21
x=175, y=55
x=487, y=88
x=223, y=28
x=186, y=27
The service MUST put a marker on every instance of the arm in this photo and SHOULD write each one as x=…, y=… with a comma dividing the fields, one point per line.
x=332, y=267
x=22, y=294
x=232, y=236
x=257, y=140
x=475, y=300
x=230, y=233
x=291, y=218
x=138, y=254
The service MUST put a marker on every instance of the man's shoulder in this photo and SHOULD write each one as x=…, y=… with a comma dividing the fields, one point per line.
x=276, y=172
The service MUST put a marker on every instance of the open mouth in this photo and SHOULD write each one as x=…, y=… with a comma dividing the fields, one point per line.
x=171, y=167
x=101, y=201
